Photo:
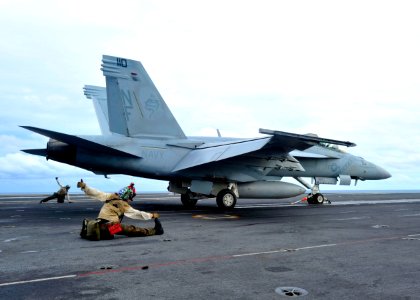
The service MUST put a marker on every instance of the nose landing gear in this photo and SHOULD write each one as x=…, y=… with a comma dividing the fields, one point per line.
x=314, y=197
x=317, y=198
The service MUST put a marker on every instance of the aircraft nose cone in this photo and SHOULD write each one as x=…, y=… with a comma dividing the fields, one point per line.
x=374, y=172
x=377, y=173
x=383, y=174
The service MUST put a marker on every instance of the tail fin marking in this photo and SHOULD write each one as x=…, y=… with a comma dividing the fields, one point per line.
x=135, y=106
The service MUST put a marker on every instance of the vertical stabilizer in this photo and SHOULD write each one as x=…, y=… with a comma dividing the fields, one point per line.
x=135, y=107
x=98, y=96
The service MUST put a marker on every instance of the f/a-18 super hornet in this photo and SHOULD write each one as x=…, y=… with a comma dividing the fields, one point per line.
x=140, y=137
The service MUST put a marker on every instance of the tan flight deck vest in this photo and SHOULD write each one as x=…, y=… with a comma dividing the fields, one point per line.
x=113, y=210
x=62, y=191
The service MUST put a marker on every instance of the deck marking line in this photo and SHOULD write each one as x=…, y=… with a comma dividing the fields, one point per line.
x=205, y=259
x=37, y=280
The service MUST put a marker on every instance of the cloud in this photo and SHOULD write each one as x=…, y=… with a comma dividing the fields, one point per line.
x=341, y=70
x=24, y=166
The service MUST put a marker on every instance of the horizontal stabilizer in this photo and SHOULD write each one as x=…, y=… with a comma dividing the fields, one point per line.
x=300, y=138
x=74, y=140
x=40, y=152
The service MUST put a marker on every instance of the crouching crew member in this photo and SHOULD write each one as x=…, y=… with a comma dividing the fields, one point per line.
x=109, y=219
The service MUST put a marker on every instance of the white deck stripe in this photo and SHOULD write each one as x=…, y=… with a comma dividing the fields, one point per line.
x=283, y=250
x=259, y=253
x=37, y=280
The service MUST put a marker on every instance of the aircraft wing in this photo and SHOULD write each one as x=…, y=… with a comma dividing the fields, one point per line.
x=280, y=144
x=292, y=141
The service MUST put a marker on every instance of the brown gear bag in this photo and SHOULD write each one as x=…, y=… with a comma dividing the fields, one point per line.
x=90, y=230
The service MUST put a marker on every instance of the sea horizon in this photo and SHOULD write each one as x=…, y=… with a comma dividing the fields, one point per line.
x=399, y=191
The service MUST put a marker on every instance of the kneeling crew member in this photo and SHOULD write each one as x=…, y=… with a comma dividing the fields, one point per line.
x=114, y=209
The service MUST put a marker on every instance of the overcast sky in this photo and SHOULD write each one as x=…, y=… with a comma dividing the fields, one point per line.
x=347, y=70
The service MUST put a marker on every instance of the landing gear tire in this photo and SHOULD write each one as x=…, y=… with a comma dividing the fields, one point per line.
x=310, y=199
x=226, y=199
x=318, y=198
x=187, y=201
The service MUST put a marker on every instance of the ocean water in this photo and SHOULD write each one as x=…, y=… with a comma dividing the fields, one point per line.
x=324, y=191
x=371, y=191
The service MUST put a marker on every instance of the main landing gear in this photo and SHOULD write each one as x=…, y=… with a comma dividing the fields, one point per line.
x=189, y=200
x=225, y=199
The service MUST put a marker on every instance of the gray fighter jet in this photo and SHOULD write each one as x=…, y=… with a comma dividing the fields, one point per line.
x=140, y=137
